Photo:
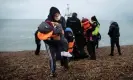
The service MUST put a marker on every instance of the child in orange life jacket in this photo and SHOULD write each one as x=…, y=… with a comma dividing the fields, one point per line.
x=70, y=38
x=86, y=25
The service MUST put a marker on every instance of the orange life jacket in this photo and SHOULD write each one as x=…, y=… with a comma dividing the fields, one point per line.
x=43, y=36
x=86, y=25
x=70, y=46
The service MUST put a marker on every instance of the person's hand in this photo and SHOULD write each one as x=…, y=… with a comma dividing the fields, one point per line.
x=56, y=24
x=52, y=23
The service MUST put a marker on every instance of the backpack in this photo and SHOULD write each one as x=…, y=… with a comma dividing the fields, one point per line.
x=45, y=27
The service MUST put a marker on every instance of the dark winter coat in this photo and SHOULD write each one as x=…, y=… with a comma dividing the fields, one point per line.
x=114, y=30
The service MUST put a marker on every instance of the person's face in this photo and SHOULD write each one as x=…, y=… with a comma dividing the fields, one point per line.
x=57, y=16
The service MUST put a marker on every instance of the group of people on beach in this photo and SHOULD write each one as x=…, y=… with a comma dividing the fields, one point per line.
x=65, y=39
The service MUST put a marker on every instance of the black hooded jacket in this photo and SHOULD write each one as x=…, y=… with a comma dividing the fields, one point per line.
x=74, y=23
x=114, y=30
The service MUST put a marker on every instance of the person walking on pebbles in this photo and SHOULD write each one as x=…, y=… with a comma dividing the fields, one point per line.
x=52, y=33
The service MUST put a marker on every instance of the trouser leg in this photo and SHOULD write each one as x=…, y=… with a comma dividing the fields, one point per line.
x=97, y=44
x=118, y=46
x=58, y=55
x=80, y=44
x=90, y=49
x=93, y=51
x=112, y=47
x=52, y=59
x=38, y=44
x=64, y=47
x=64, y=62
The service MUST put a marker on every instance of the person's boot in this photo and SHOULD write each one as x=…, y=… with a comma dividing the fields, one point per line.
x=93, y=57
x=66, y=67
x=120, y=54
x=64, y=63
x=53, y=74
x=89, y=57
x=86, y=56
x=111, y=54
x=37, y=52
x=37, y=49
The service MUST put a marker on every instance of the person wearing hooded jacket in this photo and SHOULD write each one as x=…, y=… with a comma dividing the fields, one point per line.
x=75, y=24
x=56, y=45
x=91, y=34
x=114, y=35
